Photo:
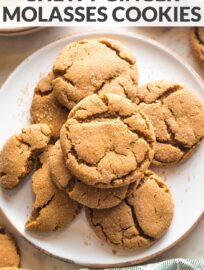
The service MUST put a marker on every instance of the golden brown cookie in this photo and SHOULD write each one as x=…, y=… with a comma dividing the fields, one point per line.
x=84, y=194
x=94, y=66
x=19, y=152
x=53, y=209
x=138, y=221
x=45, y=108
x=197, y=42
x=178, y=119
x=107, y=141
x=9, y=254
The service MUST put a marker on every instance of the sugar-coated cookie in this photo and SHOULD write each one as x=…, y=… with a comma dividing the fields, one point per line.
x=138, y=221
x=178, y=119
x=94, y=66
x=107, y=141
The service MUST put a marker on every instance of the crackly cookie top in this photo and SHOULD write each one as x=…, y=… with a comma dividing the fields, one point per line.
x=178, y=119
x=94, y=66
x=107, y=141
x=82, y=193
x=137, y=222
x=45, y=108
x=53, y=209
x=197, y=42
x=19, y=152
x=9, y=255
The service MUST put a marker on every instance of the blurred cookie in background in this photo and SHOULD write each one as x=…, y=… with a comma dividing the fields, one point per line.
x=9, y=253
x=197, y=42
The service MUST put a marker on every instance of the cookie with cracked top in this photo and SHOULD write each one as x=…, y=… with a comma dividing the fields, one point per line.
x=140, y=220
x=107, y=141
x=9, y=254
x=53, y=209
x=197, y=42
x=178, y=119
x=82, y=193
x=18, y=155
x=94, y=66
x=45, y=108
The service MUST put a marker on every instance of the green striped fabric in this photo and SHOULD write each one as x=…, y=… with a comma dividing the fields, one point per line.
x=175, y=264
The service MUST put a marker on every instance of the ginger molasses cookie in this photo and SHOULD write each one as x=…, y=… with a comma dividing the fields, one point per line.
x=18, y=154
x=107, y=141
x=53, y=209
x=82, y=193
x=45, y=108
x=178, y=119
x=94, y=66
x=197, y=42
x=140, y=220
x=9, y=254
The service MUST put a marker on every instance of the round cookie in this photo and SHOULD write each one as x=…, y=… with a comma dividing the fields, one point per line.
x=178, y=119
x=18, y=155
x=107, y=141
x=9, y=255
x=53, y=209
x=84, y=194
x=45, y=108
x=140, y=220
x=94, y=66
x=197, y=42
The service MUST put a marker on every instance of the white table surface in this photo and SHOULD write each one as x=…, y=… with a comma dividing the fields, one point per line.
x=15, y=49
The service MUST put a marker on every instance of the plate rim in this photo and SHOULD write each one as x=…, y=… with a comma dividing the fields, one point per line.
x=130, y=35
x=11, y=32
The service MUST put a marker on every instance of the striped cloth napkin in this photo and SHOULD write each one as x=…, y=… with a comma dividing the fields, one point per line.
x=174, y=264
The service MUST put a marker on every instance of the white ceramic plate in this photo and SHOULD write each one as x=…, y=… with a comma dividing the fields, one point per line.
x=17, y=31
x=77, y=243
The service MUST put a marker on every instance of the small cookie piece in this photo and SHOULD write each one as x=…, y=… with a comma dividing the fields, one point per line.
x=107, y=141
x=45, y=108
x=138, y=221
x=18, y=154
x=197, y=42
x=9, y=255
x=84, y=194
x=94, y=66
x=178, y=119
x=53, y=209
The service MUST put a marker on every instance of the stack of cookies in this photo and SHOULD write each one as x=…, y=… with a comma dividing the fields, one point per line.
x=94, y=135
